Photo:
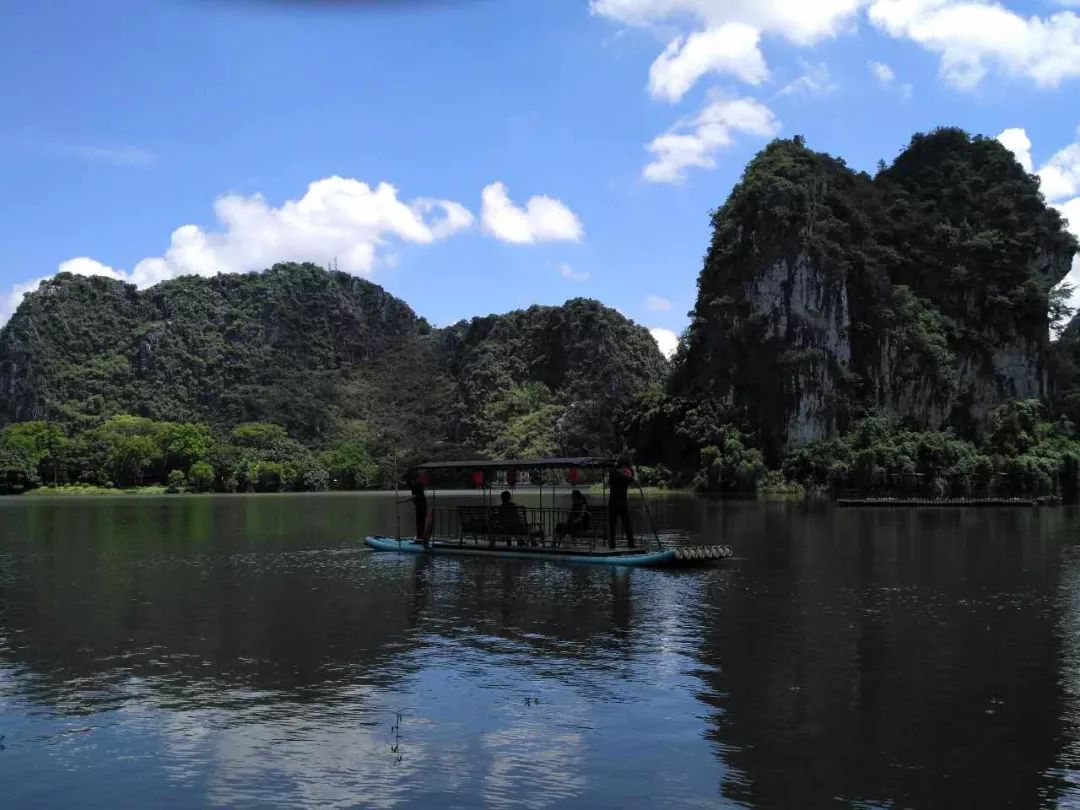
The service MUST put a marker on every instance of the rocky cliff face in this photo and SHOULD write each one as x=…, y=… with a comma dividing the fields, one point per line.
x=313, y=351
x=923, y=289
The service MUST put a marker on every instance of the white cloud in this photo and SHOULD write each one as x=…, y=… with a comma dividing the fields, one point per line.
x=656, y=303
x=337, y=218
x=722, y=36
x=543, y=218
x=972, y=36
x=883, y=73
x=693, y=143
x=667, y=340
x=814, y=83
x=569, y=273
x=1016, y=141
x=731, y=48
x=1060, y=175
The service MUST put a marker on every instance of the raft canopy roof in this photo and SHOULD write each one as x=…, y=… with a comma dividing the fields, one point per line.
x=585, y=462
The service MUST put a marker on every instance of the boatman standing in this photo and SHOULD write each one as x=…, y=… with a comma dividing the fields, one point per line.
x=419, y=502
x=622, y=476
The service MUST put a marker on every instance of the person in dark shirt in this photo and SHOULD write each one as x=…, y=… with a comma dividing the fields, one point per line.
x=578, y=520
x=508, y=517
x=621, y=477
x=419, y=502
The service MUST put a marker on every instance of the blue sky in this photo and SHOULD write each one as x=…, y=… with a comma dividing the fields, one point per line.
x=531, y=151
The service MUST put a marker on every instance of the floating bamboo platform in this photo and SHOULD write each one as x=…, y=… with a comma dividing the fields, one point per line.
x=945, y=501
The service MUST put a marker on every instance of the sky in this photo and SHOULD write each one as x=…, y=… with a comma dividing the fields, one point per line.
x=481, y=155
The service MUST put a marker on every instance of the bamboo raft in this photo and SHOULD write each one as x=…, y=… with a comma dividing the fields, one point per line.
x=940, y=501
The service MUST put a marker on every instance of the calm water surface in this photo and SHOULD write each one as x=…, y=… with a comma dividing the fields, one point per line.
x=246, y=651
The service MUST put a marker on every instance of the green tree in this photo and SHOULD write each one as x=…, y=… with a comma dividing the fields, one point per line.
x=42, y=443
x=271, y=476
x=350, y=466
x=258, y=435
x=175, y=481
x=729, y=464
x=183, y=443
x=17, y=470
x=201, y=477
x=131, y=458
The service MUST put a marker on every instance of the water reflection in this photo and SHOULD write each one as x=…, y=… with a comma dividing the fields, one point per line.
x=246, y=651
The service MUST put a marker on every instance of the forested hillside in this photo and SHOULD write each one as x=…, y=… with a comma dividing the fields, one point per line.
x=332, y=360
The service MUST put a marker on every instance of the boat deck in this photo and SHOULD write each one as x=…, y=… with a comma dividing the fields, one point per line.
x=567, y=549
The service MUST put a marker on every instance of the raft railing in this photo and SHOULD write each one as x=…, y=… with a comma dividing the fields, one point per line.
x=446, y=525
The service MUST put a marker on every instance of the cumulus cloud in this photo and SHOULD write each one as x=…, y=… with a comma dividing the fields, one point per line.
x=542, y=219
x=816, y=82
x=1059, y=176
x=694, y=143
x=1016, y=141
x=337, y=219
x=657, y=303
x=570, y=274
x=667, y=340
x=972, y=37
x=729, y=49
x=724, y=37
x=883, y=73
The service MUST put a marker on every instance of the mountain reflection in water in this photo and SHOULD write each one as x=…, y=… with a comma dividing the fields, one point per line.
x=246, y=650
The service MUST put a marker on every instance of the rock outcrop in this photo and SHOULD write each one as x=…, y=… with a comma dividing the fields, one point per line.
x=924, y=289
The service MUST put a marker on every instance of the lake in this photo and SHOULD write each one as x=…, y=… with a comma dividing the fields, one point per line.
x=247, y=651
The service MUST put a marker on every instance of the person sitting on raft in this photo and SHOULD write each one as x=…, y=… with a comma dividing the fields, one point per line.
x=578, y=520
x=510, y=521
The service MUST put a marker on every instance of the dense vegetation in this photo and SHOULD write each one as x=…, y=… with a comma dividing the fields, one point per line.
x=345, y=381
x=133, y=451
x=885, y=333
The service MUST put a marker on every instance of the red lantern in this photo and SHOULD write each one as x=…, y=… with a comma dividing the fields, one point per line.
x=425, y=479
x=478, y=479
x=573, y=475
x=511, y=478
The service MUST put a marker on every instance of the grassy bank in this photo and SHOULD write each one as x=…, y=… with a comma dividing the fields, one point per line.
x=89, y=489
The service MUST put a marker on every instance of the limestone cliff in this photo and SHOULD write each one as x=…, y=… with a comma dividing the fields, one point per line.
x=826, y=291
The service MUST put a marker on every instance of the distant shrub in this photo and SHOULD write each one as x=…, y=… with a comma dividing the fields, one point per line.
x=175, y=482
